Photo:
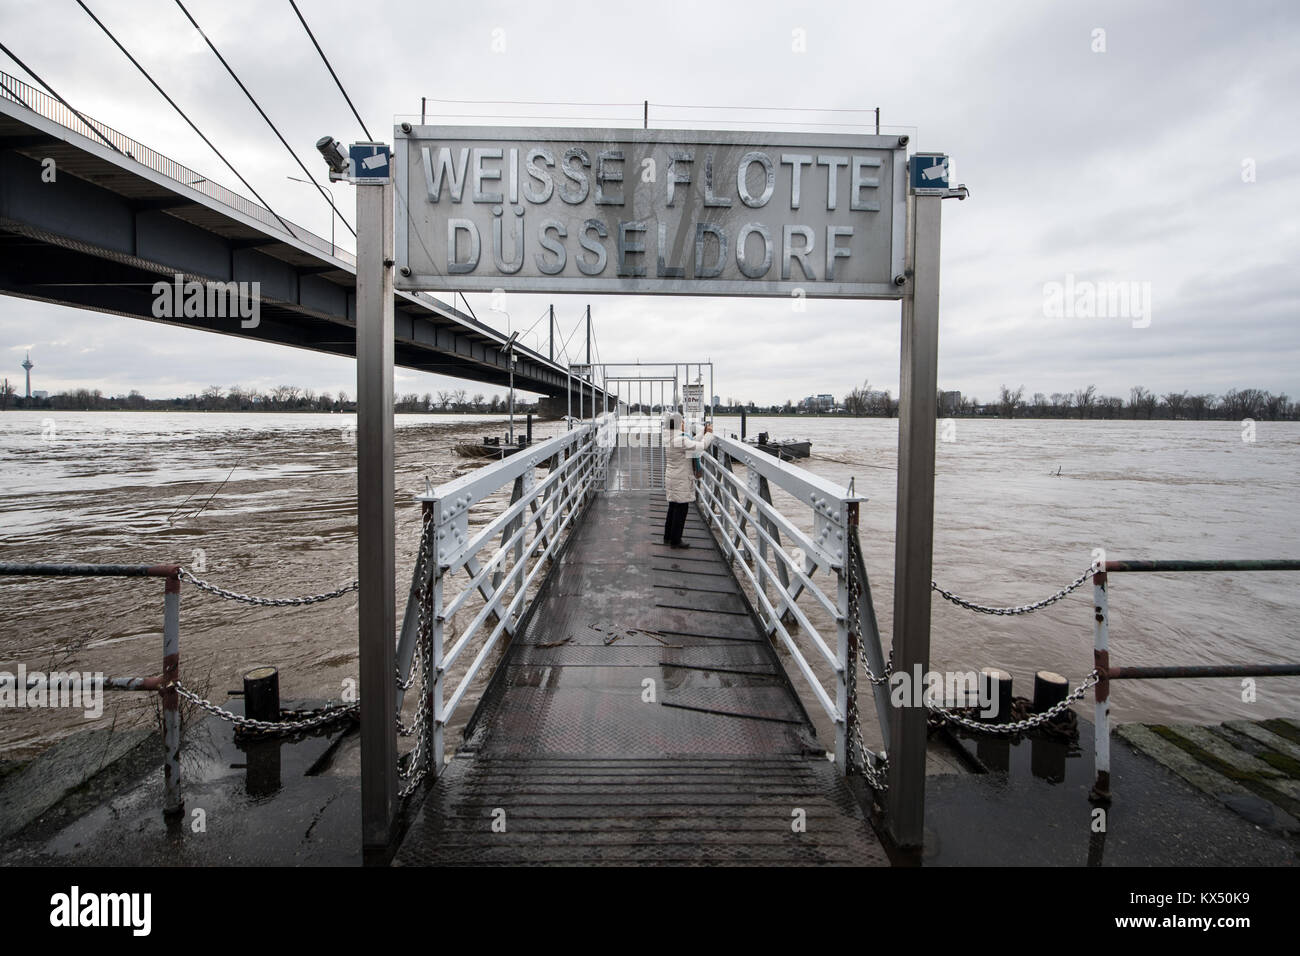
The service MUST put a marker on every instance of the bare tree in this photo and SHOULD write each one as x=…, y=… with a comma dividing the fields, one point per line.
x=1276, y=406
x=1084, y=399
x=1010, y=401
x=1200, y=404
x=1137, y=399
x=858, y=400
x=1175, y=402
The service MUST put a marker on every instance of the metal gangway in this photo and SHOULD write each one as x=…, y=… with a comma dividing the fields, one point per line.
x=632, y=706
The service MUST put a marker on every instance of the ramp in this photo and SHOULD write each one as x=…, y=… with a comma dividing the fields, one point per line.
x=640, y=718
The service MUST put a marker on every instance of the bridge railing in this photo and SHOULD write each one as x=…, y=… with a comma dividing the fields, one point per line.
x=502, y=558
x=754, y=534
x=41, y=103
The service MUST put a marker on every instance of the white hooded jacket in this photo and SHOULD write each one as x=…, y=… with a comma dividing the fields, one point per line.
x=679, y=452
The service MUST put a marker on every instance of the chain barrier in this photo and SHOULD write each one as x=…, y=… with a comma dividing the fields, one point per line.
x=318, y=718
x=1017, y=726
x=873, y=767
x=221, y=592
x=1018, y=609
x=417, y=760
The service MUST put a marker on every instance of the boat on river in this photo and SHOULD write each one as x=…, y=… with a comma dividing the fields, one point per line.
x=787, y=449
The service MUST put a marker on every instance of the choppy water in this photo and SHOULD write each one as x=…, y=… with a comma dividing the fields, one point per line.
x=269, y=500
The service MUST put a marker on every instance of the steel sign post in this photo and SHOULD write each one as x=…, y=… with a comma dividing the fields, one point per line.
x=914, y=518
x=376, y=567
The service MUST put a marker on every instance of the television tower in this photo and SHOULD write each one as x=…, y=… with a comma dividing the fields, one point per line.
x=27, y=364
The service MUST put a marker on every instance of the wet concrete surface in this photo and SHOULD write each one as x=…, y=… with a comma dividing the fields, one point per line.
x=248, y=802
x=1032, y=809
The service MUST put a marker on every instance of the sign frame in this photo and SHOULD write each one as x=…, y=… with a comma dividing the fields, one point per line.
x=526, y=136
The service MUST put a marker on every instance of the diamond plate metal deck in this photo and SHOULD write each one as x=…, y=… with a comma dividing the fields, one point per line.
x=640, y=718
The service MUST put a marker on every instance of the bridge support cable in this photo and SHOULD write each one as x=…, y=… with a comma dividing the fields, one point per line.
x=234, y=76
x=325, y=60
x=172, y=103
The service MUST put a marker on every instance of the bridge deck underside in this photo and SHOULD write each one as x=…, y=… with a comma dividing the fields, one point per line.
x=589, y=768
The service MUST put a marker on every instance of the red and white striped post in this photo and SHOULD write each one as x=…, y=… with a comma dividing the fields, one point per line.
x=1101, y=661
x=173, y=802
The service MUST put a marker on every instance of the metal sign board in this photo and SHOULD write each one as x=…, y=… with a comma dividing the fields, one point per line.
x=369, y=163
x=649, y=212
x=693, y=399
x=930, y=174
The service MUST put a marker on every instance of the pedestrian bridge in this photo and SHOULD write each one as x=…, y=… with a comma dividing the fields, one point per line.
x=633, y=705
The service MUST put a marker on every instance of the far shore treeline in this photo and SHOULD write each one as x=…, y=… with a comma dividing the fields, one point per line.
x=282, y=398
x=862, y=402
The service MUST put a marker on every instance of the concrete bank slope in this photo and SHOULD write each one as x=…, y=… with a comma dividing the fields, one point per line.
x=1223, y=795
x=96, y=801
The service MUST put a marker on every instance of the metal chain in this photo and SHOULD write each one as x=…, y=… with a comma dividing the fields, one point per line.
x=873, y=767
x=417, y=764
x=188, y=575
x=1018, y=609
x=320, y=717
x=1018, y=726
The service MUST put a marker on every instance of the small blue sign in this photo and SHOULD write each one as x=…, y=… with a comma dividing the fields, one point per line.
x=929, y=172
x=370, y=162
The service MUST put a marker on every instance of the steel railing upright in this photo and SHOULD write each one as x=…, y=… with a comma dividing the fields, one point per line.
x=167, y=685
x=753, y=533
x=502, y=558
x=1101, y=790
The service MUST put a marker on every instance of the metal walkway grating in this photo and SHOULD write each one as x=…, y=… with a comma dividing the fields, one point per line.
x=568, y=752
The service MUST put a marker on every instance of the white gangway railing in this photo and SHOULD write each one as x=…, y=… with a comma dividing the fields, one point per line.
x=502, y=558
x=754, y=534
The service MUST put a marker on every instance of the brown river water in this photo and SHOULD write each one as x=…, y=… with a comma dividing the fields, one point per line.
x=269, y=501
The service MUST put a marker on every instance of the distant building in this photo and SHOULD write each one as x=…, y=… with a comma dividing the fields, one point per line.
x=949, y=403
x=39, y=393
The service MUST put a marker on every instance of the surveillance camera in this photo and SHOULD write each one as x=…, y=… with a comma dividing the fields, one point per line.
x=329, y=148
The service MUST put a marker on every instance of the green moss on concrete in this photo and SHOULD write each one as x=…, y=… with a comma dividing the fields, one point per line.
x=1282, y=729
x=1256, y=781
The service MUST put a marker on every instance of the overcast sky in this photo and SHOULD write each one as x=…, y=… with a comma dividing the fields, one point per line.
x=1123, y=156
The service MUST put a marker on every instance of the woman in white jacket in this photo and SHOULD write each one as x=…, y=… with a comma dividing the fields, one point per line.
x=680, y=452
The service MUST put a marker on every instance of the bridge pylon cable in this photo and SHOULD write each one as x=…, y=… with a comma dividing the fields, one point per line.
x=172, y=103
x=325, y=60
x=234, y=76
